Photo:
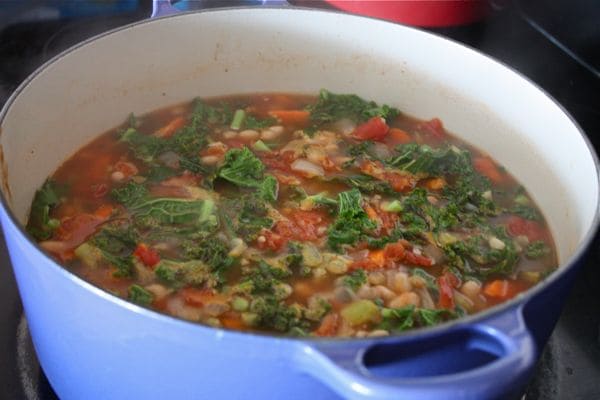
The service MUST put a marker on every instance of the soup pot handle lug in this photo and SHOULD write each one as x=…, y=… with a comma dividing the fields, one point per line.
x=466, y=361
x=163, y=8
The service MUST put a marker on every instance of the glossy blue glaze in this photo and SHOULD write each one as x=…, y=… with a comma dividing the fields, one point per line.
x=94, y=345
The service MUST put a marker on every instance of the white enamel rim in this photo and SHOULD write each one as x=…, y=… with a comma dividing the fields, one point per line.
x=514, y=305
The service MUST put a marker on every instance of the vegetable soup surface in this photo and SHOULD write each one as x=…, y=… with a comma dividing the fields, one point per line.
x=324, y=215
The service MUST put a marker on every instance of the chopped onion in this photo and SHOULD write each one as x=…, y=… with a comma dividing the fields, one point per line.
x=344, y=126
x=170, y=159
x=381, y=150
x=307, y=168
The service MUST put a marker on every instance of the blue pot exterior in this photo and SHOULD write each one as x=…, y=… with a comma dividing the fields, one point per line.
x=94, y=345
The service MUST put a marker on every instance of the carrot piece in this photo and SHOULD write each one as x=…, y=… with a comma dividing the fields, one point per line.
x=232, y=322
x=399, y=136
x=196, y=297
x=329, y=325
x=377, y=257
x=299, y=118
x=372, y=214
x=104, y=211
x=170, y=128
x=434, y=183
x=486, y=167
x=498, y=288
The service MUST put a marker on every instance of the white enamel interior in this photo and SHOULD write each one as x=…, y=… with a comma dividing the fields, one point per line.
x=166, y=61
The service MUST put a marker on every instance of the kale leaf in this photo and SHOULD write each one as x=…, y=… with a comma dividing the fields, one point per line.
x=396, y=320
x=244, y=169
x=117, y=243
x=130, y=194
x=355, y=279
x=274, y=314
x=183, y=273
x=246, y=216
x=139, y=295
x=212, y=251
x=332, y=107
x=351, y=222
x=198, y=213
x=40, y=225
x=537, y=249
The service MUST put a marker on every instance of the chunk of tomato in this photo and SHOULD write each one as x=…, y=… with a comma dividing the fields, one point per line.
x=518, y=226
x=148, y=256
x=373, y=129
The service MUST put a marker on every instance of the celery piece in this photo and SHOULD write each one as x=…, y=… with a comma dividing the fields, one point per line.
x=238, y=119
x=360, y=312
x=394, y=206
x=259, y=145
x=88, y=254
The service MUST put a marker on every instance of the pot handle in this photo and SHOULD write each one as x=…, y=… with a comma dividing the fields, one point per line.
x=162, y=8
x=477, y=361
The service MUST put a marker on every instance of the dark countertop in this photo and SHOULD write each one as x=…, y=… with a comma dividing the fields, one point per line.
x=523, y=36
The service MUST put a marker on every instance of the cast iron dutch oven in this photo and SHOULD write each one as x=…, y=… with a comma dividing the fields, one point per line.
x=92, y=344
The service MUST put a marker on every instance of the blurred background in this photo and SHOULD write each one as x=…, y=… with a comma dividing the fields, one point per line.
x=554, y=43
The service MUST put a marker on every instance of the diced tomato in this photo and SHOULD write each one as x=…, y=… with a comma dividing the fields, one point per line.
x=373, y=129
x=126, y=168
x=99, y=190
x=398, y=136
x=104, y=211
x=488, y=168
x=329, y=325
x=148, y=256
x=446, y=299
x=196, y=297
x=400, y=182
x=232, y=321
x=395, y=251
x=388, y=221
x=281, y=161
x=434, y=128
x=417, y=259
x=302, y=225
x=517, y=226
x=272, y=241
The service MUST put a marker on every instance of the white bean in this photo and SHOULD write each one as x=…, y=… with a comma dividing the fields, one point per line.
x=272, y=133
x=470, y=289
x=378, y=333
x=400, y=283
x=405, y=299
x=229, y=134
x=383, y=292
x=209, y=160
x=376, y=278
x=249, y=134
x=117, y=176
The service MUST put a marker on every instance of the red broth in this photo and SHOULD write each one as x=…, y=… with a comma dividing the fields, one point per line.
x=318, y=215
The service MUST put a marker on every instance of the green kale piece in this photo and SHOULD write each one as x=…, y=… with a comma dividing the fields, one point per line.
x=351, y=223
x=197, y=213
x=526, y=212
x=423, y=159
x=251, y=122
x=366, y=184
x=355, y=279
x=244, y=169
x=331, y=107
x=396, y=320
x=246, y=216
x=275, y=314
x=264, y=278
x=474, y=256
x=40, y=225
x=139, y=295
x=130, y=194
x=183, y=273
x=117, y=243
x=144, y=147
x=537, y=249
x=212, y=251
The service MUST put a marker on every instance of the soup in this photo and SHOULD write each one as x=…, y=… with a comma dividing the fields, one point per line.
x=324, y=215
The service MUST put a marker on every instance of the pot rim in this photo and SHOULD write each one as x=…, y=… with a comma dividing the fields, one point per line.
x=516, y=303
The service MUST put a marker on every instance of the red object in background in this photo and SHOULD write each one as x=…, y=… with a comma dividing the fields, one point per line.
x=431, y=13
